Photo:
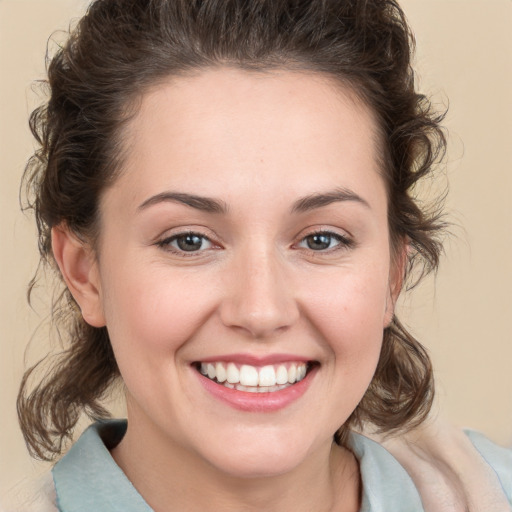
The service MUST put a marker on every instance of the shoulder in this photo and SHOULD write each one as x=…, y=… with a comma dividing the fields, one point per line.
x=386, y=485
x=497, y=457
x=450, y=469
x=88, y=478
x=36, y=495
x=441, y=473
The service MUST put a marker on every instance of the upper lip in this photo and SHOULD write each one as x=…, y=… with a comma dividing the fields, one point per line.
x=255, y=360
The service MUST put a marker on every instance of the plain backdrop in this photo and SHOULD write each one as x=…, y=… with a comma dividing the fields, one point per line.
x=463, y=316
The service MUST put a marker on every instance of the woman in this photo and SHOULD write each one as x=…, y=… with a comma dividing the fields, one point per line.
x=225, y=188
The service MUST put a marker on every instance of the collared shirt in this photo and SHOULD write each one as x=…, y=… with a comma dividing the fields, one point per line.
x=87, y=478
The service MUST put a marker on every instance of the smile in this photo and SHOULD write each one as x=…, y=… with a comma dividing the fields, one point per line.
x=254, y=379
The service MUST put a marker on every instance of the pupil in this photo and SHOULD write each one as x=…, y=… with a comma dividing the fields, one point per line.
x=190, y=242
x=317, y=242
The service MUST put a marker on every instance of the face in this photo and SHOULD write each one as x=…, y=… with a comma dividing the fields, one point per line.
x=246, y=239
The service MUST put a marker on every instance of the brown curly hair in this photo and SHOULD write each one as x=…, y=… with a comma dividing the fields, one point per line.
x=122, y=47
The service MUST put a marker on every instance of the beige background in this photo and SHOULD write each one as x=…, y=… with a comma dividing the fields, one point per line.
x=464, y=54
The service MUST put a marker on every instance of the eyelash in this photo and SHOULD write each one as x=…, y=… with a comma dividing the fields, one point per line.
x=165, y=244
x=343, y=242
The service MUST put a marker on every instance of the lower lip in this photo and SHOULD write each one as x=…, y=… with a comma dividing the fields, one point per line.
x=258, y=402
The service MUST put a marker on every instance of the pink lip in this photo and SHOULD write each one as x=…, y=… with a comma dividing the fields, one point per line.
x=255, y=360
x=258, y=402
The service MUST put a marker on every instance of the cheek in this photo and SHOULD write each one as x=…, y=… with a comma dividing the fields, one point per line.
x=349, y=311
x=152, y=314
x=350, y=301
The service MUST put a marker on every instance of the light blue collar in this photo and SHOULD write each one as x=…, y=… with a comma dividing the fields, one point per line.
x=386, y=485
x=87, y=479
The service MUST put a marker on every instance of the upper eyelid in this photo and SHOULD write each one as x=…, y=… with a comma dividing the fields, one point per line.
x=332, y=234
x=174, y=236
x=193, y=230
x=167, y=238
x=166, y=244
x=214, y=239
x=320, y=230
x=345, y=241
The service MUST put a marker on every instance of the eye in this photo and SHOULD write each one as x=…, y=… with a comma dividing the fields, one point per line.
x=186, y=242
x=323, y=241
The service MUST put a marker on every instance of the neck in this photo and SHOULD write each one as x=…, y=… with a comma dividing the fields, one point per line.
x=167, y=474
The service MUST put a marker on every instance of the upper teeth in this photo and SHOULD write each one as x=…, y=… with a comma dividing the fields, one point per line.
x=248, y=375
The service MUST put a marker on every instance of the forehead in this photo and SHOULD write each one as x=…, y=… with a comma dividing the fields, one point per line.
x=224, y=124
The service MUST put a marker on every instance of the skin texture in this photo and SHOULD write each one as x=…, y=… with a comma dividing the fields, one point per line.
x=258, y=144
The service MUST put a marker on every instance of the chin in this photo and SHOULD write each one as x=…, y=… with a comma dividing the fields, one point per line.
x=260, y=455
x=263, y=466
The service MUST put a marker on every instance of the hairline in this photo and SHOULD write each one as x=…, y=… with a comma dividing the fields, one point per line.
x=344, y=86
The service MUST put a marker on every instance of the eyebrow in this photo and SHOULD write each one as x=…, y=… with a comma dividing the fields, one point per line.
x=205, y=204
x=210, y=205
x=314, y=201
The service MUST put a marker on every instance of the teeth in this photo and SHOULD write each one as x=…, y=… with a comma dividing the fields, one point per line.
x=255, y=379
x=220, y=372
x=248, y=375
x=281, y=375
x=267, y=376
x=233, y=375
x=292, y=374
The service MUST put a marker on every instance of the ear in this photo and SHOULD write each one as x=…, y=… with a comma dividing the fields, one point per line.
x=398, y=266
x=79, y=269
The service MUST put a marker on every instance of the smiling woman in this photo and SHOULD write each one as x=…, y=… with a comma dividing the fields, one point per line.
x=225, y=189
x=244, y=287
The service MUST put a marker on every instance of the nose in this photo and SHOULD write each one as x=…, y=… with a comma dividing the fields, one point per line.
x=259, y=298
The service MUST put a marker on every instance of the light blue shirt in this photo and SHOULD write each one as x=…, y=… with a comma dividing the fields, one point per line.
x=87, y=479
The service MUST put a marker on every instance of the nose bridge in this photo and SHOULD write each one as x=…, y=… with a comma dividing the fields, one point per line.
x=260, y=299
